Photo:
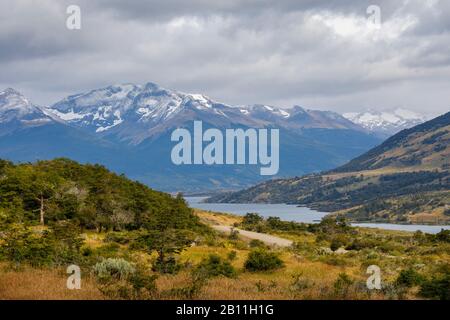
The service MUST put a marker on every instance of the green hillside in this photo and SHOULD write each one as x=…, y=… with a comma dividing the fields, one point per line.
x=46, y=192
x=405, y=179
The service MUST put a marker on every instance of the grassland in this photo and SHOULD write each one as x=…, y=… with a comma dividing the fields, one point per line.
x=311, y=269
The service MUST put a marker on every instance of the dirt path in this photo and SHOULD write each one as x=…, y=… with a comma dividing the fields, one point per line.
x=266, y=238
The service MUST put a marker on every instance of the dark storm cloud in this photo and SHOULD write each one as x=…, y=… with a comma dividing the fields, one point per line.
x=320, y=54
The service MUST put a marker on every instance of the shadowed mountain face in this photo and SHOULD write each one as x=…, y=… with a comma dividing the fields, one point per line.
x=128, y=127
x=405, y=179
x=424, y=146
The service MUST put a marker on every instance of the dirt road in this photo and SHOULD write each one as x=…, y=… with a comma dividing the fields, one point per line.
x=266, y=238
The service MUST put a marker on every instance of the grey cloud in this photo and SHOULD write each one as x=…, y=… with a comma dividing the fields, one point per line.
x=238, y=52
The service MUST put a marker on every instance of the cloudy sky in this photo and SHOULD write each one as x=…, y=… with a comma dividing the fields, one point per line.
x=317, y=54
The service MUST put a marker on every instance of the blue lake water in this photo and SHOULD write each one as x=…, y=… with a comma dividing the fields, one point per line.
x=289, y=212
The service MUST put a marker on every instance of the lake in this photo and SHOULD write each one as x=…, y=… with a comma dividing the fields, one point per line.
x=289, y=212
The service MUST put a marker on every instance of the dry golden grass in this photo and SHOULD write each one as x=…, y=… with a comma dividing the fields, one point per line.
x=217, y=218
x=43, y=284
x=306, y=274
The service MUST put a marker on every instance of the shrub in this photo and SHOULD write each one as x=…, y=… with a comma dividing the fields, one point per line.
x=232, y=255
x=409, y=278
x=214, y=266
x=169, y=265
x=360, y=244
x=342, y=285
x=300, y=283
x=262, y=260
x=252, y=219
x=113, y=268
x=436, y=288
x=443, y=236
x=119, y=279
x=255, y=243
x=58, y=245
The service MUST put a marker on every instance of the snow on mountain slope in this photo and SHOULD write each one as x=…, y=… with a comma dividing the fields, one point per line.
x=128, y=127
x=14, y=107
x=386, y=122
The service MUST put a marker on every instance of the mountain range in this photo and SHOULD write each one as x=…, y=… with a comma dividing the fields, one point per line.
x=386, y=123
x=405, y=179
x=127, y=128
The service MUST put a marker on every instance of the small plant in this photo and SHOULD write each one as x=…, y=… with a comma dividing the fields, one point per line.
x=255, y=243
x=113, y=268
x=234, y=234
x=299, y=283
x=263, y=260
x=342, y=285
x=232, y=255
x=261, y=287
x=169, y=265
x=409, y=278
x=214, y=266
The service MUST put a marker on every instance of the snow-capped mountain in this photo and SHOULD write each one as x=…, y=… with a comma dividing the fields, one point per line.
x=386, y=123
x=128, y=127
x=298, y=117
x=15, y=108
x=133, y=113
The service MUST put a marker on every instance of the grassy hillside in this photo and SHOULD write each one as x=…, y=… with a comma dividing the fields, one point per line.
x=425, y=146
x=405, y=179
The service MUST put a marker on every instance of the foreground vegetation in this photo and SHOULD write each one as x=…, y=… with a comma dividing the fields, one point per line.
x=131, y=242
x=327, y=261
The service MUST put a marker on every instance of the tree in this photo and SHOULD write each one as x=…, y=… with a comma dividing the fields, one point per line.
x=43, y=187
x=167, y=243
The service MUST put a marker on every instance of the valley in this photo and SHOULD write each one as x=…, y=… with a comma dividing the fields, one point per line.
x=403, y=180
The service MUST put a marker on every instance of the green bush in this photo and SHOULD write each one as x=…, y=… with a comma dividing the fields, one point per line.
x=232, y=255
x=214, y=266
x=255, y=243
x=339, y=240
x=409, y=278
x=360, y=244
x=119, y=279
x=436, y=288
x=342, y=285
x=443, y=236
x=262, y=260
x=58, y=245
x=169, y=265
x=113, y=268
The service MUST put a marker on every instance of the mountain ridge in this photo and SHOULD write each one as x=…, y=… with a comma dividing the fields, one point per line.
x=386, y=123
x=127, y=128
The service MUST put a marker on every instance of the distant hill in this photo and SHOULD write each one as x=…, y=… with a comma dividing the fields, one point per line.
x=49, y=191
x=423, y=146
x=405, y=179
